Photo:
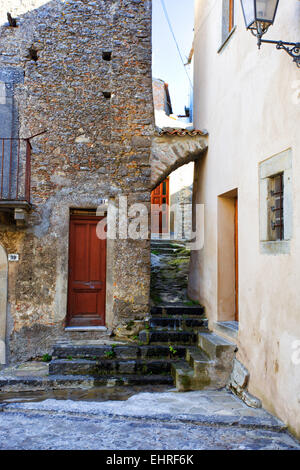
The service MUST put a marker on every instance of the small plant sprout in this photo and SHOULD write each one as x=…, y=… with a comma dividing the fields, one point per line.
x=110, y=354
x=46, y=358
x=172, y=350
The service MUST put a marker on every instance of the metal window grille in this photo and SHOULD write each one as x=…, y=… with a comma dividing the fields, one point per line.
x=277, y=213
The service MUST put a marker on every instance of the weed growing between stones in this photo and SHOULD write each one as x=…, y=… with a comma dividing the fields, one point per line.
x=172, y=350
x=46, y=358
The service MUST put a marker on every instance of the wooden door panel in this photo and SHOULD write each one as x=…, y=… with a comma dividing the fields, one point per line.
x=80, y=268
x=87, y=272
x=160, y=213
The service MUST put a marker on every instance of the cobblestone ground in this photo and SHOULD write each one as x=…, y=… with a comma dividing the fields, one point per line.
x=151, y=421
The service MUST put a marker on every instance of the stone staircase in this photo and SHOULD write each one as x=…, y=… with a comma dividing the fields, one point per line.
x=161, y=348
x=169, y=272
x=175, y=347
x=166, y=351
x=208, y=358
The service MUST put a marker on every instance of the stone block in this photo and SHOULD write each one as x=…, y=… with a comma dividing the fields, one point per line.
x=240, y=375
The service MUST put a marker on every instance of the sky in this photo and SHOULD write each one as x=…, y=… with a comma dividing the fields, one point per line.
x=166, y=62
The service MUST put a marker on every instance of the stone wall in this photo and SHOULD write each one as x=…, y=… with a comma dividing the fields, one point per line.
x=95, y=147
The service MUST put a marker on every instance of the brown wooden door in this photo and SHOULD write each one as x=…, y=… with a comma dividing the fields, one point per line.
x=236, y=247
x=87, y=273
x=160, y=208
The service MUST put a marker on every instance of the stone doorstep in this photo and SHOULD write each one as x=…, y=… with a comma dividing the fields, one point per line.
x=228, y=328
x=86, y=328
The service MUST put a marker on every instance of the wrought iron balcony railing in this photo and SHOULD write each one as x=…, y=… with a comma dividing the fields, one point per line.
x=15, y=170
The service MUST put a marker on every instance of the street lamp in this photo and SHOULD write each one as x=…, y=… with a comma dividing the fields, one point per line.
x=259, y=15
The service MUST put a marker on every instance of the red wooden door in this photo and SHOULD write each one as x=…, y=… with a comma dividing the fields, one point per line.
x=87, y=273
x=160, y=208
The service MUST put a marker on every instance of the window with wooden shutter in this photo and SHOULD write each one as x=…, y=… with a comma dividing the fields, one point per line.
x=227, y=18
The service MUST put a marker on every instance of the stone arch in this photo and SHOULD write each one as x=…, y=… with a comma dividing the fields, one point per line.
x=170, y=150
x=3, y=302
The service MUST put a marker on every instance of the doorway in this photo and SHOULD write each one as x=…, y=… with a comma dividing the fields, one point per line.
x=160, y=208
x=87, y=272
x=236, y=256
x=228, y=257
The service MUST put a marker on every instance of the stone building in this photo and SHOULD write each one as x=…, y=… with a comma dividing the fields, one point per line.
x=248, y=272
x=76, y=122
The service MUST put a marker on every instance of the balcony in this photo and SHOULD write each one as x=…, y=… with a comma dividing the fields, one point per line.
x=15, y=173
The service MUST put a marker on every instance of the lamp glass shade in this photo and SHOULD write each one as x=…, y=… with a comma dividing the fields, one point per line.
x=263, y=11
x=266, y=10
x=249, y=11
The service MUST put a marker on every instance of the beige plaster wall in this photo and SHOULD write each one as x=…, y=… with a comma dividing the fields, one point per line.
x=249, y=100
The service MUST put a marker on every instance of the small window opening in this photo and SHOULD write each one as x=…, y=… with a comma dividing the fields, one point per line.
x=106, y=94
x=276, y=212
x=106, y=55
x=227, y=18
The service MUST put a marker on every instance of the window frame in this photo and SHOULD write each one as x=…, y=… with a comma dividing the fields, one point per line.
x=278, y=164
x=228, y=23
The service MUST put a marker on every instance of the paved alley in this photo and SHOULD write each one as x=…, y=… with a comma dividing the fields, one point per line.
x=146, y=421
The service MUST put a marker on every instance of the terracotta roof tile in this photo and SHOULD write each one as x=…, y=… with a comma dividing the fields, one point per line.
x=182, y=132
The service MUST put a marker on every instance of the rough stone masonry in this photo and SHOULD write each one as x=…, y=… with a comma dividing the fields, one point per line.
x=86, y=79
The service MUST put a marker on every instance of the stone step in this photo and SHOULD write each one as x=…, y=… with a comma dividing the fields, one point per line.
x=186, y=380
x=128, y=380
x=178, y=322
x=37, y=383
x=183, y=375
x=85, y=334
x=215, y=346
x=96, y=352
x=165, y=249
x=166, y=244
x=171, y=337
x=198, y=360
x=188, y=310
x=109, y=367
x=85, y=382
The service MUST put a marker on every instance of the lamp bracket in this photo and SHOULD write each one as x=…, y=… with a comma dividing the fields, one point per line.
x=292, y=48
